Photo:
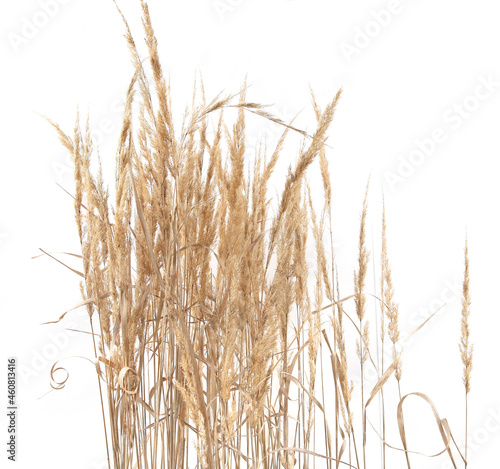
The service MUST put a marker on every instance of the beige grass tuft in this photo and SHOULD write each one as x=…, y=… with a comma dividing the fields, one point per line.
x=208, y=329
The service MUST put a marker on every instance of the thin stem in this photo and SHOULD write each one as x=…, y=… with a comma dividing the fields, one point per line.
x=383, y=424
x=466, y=427
x=362, y=389
x=100, y=395
x=355, y=448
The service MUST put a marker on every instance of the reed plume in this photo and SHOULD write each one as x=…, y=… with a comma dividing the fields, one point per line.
x=391, y=310
x=363, y=343
x=466, y=348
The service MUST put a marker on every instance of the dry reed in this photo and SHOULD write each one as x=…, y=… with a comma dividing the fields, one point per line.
x=208, y=332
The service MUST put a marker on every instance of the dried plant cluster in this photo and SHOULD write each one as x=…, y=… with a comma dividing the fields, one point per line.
x=210, y=332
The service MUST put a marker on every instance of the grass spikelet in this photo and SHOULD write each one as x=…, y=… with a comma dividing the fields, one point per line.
x=363, y=257
x=389, y=307
x=466, y=348
x=360, y=303
x=391, y=310
x=306, y=158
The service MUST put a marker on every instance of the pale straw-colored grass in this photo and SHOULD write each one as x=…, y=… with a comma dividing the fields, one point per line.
x=212, y=340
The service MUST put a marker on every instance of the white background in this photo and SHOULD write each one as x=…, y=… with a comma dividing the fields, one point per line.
x=411, y=71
